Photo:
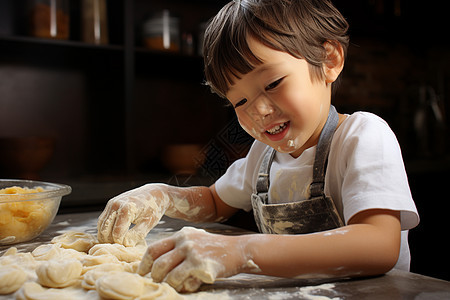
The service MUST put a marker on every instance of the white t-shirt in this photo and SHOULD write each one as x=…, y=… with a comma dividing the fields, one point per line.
x=365, y=171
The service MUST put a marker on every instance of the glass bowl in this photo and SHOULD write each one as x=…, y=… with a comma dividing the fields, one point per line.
x=27, y=208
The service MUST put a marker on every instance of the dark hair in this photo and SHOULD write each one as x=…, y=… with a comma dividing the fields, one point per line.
x=298, y=27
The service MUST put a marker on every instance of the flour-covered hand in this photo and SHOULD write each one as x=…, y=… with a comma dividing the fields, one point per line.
x=192, y=257
x=143, y=207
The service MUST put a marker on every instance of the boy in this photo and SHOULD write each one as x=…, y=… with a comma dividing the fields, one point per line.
x=276, y=62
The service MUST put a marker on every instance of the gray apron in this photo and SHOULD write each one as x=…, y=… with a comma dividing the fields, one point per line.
x=318, y=213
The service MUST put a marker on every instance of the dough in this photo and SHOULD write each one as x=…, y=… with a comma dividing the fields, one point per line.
x=12, y=257
x=90, y=260
x=54, y=251
x=120, y=285
x=78, y=241
x=122, y=253
x=59, y=273
x=124, y=286
x=11, y=279
x=24, y=261
x=131, y=267
x=91, y=276
x=159, y=291
x=46, y=252
x=33, y=291
x=53, y=272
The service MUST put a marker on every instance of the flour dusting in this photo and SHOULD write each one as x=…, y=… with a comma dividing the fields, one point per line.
x=320, y=292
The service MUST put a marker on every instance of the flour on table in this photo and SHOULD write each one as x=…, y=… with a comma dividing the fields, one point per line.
x=319, y=292
x=63, y=223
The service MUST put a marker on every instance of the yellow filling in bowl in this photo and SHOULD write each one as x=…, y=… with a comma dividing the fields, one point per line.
x=24, y=219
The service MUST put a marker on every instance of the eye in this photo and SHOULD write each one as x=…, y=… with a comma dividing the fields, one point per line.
x=240, y=103
x=273, y=84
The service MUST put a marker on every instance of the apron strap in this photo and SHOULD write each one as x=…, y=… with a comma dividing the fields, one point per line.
x=262, y=183
x=322, y=150
x=320, y=162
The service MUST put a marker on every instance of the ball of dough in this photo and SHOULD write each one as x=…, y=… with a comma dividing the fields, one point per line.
x=57, y=273
x=11, y=279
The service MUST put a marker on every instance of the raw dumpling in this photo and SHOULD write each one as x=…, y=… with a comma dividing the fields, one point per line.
x=90, y=260
x=120, y=285
x=54, y=251
x=11, y=279
x=57, y=273
x=127, y=254
x=79, y=241
x=33, y=291
x=91, y=276
x=12, y=257
x=125, y=286
x=161, y=291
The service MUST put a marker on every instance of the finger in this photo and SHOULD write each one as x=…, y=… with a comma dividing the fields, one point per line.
x=165, y=264
x=191, y=284
x=104, y=234
x=106, y=221
x=181, y=278
x=154, y=251
x=145, y=266
x=126, y=214
x=100, y=222
x=101, y=218
x=139, y=232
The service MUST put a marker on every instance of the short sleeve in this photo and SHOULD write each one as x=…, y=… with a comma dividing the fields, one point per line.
x=371, y=169
x=236, y=185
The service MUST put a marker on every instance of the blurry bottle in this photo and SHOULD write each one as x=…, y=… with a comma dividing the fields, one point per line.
x=50, y=19
x=161, y=32
x=94, y=22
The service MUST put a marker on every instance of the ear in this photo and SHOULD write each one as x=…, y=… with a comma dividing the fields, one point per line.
x=334, y=62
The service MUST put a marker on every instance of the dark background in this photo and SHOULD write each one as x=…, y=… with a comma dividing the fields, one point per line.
x=111, y=111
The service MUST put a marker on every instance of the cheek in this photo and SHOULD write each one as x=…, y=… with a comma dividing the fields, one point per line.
x=249, y=126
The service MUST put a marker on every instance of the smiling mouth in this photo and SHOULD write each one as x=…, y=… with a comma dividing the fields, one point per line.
x=278, y=128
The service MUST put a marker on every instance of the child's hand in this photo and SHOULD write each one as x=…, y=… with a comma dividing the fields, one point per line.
x=143, y=206
x=192, y=257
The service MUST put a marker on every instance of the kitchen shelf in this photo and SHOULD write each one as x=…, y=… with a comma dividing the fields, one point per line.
x=28, y=41
x=122, y=91
x=49, y=44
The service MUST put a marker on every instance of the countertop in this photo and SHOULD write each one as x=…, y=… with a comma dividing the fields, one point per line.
x=394, y=285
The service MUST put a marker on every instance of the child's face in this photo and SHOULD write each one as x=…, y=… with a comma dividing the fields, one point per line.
x=278, y=104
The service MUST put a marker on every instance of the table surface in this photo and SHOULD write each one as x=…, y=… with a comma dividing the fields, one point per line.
x=394, y=285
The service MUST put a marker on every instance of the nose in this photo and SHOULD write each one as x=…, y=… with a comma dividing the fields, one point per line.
x=261, y=108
